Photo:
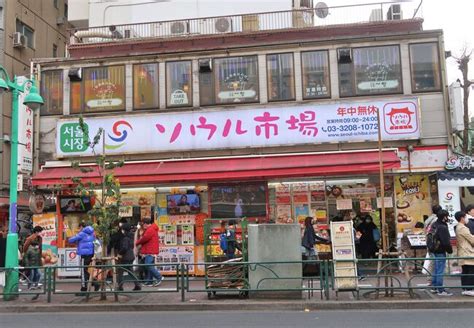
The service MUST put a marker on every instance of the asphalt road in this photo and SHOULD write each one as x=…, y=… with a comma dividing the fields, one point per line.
x=327, y=319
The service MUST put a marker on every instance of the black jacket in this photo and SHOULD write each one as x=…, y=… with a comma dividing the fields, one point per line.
x=442, y=233
x=470, y=225
x=125, y=245
x=310, y=238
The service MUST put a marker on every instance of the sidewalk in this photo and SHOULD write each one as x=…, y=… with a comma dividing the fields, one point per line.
x=168, y=298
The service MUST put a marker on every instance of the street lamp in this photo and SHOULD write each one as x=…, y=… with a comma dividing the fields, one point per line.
x=33, y=100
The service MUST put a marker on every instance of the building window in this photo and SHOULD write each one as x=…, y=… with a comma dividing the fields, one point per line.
x=145, y=86
x=28, y=32
x=315, y=71
x=52, y=92
x=104, y=89
x=55, y=51
x=56, y=4
x=373, y=70
x=280, y=76
x=75, y=102
x=179, y=84
x=425, y=73
x=235, y=80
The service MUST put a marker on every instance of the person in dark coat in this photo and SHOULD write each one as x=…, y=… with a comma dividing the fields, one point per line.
x=443, y=238
x=310, y=238
x=367, y=244
x=126, y=255
x=115, y=238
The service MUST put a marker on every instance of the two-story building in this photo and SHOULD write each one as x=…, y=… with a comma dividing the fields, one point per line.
x=272, y=116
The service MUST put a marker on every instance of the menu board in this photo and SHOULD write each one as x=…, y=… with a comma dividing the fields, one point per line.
x=345, y=272
x=170, y=257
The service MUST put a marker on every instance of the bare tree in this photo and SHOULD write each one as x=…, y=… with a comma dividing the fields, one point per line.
x=463, y=65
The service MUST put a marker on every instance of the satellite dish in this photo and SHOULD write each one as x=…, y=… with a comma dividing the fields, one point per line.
x=321, y=9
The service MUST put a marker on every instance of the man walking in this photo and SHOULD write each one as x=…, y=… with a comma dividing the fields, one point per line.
x=85, y=248
x=149, y=249
x=465, y=246
x=429, y=264
x=443, y=246
x=126, y=255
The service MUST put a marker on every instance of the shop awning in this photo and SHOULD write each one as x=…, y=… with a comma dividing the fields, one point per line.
x=455, y=175
x=230, y=168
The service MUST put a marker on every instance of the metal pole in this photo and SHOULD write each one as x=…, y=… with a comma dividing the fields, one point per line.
x=11, y=260
x=382, y=186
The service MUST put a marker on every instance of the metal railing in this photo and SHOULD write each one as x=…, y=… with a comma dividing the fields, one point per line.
x=255, y=22
x=388, y=276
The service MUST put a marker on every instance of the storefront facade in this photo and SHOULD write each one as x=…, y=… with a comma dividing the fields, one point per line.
x=271, y=132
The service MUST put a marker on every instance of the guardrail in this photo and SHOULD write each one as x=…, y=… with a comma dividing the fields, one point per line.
x=390, y=276
x=254, y=22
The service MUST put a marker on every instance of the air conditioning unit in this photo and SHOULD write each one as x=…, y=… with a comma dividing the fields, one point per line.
x=394, y=12
x=61, y=20
x=19, y=40
x=178, y=28
x=223, y=25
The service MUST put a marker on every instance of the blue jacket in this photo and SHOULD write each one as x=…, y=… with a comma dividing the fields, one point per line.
x=85, y=241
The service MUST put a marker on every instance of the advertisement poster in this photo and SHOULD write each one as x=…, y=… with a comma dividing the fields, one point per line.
x=342, y=238
x=301, y=212
x=283, y=194
x=344, y=204
x=300, y=193
x=187, y=234
x=171, y=234
x=412, y=200
x=365, y=205
x=284, y=214
x=169, y=257
x=48, y=222
x=138, y=198
x=319, y=213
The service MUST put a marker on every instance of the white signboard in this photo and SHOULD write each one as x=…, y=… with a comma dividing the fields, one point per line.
x=345, y=270
x=450, y=200
x=256, y=127
x=25, y=130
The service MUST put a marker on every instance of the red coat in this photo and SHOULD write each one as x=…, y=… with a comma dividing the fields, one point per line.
x=149, y=241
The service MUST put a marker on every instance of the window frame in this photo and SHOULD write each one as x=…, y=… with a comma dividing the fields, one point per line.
x=83, y=91
x=29, y=43
x=329, y=75
x=267, y=72
x=157, y=64
x=62, y=92
x=353, y=73
x=439, y=68
x=215, y=83
x=191, y=100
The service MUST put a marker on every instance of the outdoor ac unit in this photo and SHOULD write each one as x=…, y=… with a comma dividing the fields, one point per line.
x=344, y=55
x=60, y=20
x=394, y=12
x=19, y=40
x=223, y=25
x=177, y=28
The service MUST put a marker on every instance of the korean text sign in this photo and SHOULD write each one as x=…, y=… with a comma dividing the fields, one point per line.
x=254, y=127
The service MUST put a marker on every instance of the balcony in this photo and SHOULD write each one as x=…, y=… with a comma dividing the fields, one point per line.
x=318, y=17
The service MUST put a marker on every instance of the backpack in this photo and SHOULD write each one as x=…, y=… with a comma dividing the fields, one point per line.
x=97, y=248
x=432, y=240
x=223, y=242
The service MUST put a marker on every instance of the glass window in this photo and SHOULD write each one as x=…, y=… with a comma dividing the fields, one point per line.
x=52, y=92
x=145, y=86
x=315, y=70
x=425, y=74
x=374, y=70
x=104, y=88
x=280, y=76
x=179, y=84
x=75, y=105
x=236, y=79
x=28, y=32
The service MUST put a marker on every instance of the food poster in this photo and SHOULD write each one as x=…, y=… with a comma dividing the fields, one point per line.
x=138, y=198
x=322, y=230
x=412, y=200
x=283, y=194
x=187, y=234
x=301, y=212
x=49, y=234
x=71, y=224
x=319, y=213
x=300, y=193
x=318, y=193
x=284, y=214
x=170, y=257
x=171, y=235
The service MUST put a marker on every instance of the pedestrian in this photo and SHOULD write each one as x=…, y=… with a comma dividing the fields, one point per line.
x=139, y=258
x=470, y=218
x=149, y=249
x=310, y=238
x=465, y=246
x=32, y=260
x=85, y=248
x=35, y=236
x=228, y=242
x=115, y=238
x=368, y=245
x=429, y=264
x=126, y=256
x=441, y=235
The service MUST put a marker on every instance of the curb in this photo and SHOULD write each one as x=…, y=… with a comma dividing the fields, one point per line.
x=247, y=306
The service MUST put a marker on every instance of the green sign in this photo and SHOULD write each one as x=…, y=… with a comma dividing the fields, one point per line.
x=71, y=138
